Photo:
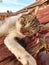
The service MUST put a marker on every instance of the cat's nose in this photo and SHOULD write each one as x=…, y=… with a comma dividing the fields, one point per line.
x=27, y=25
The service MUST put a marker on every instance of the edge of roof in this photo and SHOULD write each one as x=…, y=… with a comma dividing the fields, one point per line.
x=25, y=9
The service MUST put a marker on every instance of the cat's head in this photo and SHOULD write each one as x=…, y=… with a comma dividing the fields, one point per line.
x=26, y=24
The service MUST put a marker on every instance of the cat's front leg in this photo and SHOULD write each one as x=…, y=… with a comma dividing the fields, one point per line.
x=21, y=54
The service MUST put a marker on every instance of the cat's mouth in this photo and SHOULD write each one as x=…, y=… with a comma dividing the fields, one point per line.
x=28, y=31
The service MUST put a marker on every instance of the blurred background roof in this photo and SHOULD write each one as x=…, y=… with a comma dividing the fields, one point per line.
x=14, y=5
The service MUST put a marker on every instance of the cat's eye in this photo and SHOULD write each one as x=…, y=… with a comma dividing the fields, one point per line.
x=24, y=23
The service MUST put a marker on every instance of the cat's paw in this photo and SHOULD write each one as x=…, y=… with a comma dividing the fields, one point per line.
x=30, y=60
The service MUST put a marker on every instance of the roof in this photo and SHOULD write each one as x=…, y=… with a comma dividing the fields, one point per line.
x=31, y=6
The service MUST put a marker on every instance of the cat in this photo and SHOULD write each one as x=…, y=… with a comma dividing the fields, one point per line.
x=19, y=26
